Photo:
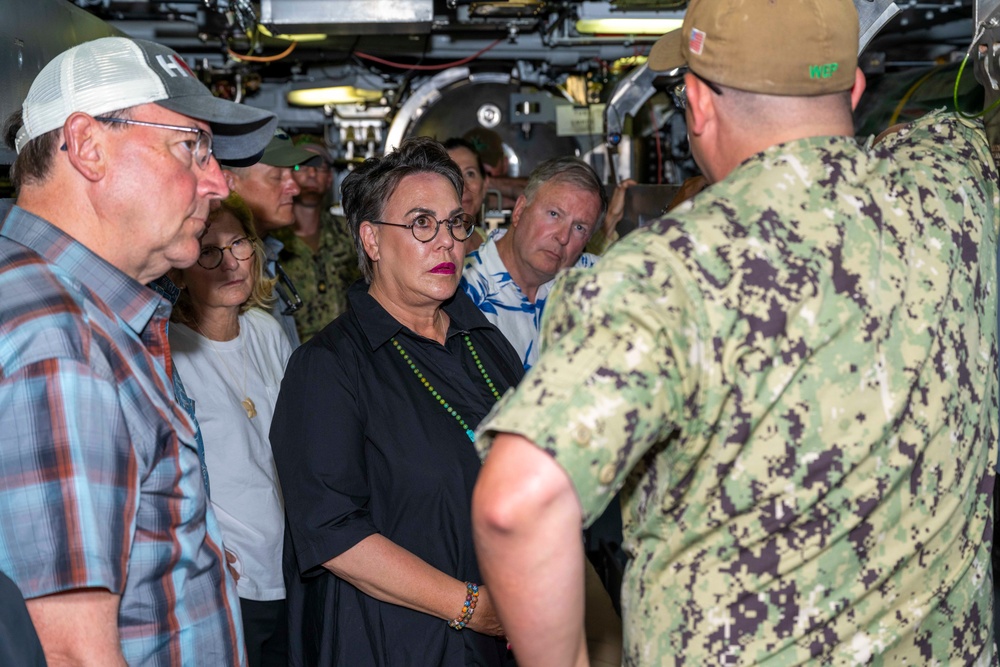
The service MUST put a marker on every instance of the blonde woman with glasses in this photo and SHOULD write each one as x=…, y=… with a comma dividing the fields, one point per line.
x=231, y=353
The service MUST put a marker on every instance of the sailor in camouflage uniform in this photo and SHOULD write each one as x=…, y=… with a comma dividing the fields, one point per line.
x=792, y=378
x=318, y=253
x=322, y=277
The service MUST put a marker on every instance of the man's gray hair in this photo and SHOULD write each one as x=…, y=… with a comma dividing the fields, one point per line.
x=571, y=170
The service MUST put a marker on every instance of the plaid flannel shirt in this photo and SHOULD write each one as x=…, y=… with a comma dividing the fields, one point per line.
x=100, y=482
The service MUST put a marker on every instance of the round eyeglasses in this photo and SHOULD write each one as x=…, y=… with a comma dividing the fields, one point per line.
x=211, y=256
x=425, y=227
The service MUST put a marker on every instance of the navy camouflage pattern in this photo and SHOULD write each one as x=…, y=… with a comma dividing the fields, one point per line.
x=321, y=279
x=793, y=380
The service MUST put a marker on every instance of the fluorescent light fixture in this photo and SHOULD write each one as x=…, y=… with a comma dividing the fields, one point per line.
x=627, y=26
x=304, y=37
x=317, y=97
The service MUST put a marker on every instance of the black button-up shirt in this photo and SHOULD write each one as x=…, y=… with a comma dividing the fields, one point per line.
x=362, y=447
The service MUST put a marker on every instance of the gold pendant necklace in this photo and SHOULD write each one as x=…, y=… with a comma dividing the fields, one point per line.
x=247, y=402
x=249, y=407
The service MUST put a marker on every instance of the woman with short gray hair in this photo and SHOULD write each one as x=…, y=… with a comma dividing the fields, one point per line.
x=373, y=437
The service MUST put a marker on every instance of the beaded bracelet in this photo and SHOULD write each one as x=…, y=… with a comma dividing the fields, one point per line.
x=469, y=606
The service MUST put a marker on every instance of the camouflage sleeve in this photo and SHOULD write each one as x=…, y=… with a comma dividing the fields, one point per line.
x=612, y=380
x=343, y=254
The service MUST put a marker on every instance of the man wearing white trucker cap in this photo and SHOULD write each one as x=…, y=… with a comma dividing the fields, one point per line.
x=791, y=378
x=104, y=521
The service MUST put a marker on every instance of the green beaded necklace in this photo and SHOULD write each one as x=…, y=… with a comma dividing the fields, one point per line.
x=440, y=399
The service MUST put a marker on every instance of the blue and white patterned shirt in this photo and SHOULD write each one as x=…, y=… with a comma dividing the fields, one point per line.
x=100, y=482
x=488, y=283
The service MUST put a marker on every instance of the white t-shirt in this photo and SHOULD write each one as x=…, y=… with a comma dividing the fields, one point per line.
x=245, y=492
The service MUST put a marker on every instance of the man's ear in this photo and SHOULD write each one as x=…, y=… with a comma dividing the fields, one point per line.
x=859, y=87
x=230, y=179
x=369, y=240
x=83, y=138
x=700, y=103
x=515, y=215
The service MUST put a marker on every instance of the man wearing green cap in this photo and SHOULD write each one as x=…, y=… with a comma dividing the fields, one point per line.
x=269, y=190
x=319, y=253
x=791, y=379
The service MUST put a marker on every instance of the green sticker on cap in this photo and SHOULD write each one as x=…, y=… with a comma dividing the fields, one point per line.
x=822, y=71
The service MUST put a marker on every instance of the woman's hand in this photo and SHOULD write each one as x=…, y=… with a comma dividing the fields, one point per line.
x=616, y=207
x=608, y=232
x=231, y=565
x=485, y=620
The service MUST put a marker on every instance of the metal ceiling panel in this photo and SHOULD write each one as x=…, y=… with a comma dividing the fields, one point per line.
x=985, y=10
x=649, y=4
x=348, y=17
x=873, y=15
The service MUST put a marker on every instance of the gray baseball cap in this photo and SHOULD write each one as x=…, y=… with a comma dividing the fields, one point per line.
x=114, y=73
